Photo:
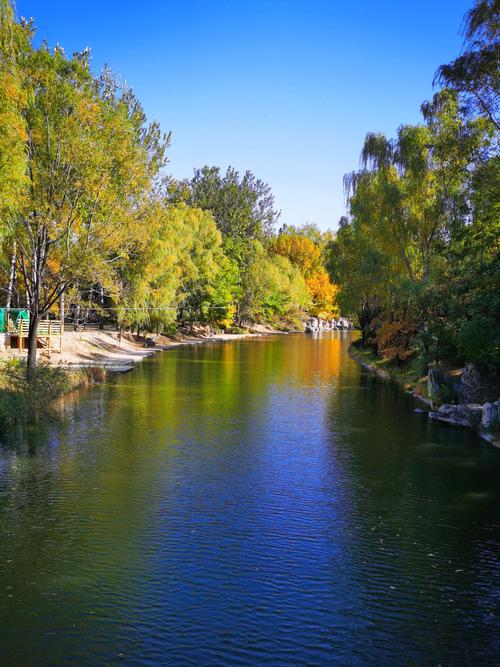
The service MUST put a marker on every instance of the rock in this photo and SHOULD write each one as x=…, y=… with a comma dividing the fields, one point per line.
x=459, y=415
x=490, y=415
x=471, y=387
x=434, y=384
x=472, y=415
x=473, y=412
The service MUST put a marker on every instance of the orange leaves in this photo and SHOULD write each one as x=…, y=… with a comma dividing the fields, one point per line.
x=396, y=340
x=305, y=254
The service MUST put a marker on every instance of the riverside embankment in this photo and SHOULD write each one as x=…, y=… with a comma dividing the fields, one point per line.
x=119, y=352
x=482, y=417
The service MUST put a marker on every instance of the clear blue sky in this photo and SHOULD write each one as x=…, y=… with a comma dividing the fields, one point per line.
x=285, y=88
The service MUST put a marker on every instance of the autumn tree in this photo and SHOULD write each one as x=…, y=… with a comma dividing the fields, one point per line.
x=91, y=161
x=14, y=39
x=300, y=250
x=323, y=295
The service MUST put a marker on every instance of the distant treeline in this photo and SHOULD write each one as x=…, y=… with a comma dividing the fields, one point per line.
x=417, y=258
x=89, y=215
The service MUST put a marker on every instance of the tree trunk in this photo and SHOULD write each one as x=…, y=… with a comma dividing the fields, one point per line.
x=62, y=311
x=12, y=275
x=32, y=341
x=77, y=312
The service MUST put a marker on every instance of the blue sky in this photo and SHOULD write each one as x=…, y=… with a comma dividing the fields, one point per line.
x=285, y=88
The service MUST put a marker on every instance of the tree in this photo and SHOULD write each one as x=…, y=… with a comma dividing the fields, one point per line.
x=91, y=165
x=14, y=39
x=271, y=288
x=243, y=207
x=300, y=250
x=323, y=294
x=475, y=74
x=177, y=272
x=360, y=271
x=208, y=277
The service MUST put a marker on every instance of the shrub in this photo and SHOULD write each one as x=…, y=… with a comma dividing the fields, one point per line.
x=26, y=399
x=396, y=341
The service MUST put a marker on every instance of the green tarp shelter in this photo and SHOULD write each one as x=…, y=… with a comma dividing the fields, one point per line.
x=12, y=314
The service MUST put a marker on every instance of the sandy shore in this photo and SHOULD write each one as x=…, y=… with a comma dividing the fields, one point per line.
x=98, y=348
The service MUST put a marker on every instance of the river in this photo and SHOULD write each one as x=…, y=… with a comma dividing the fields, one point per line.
x=259, y=502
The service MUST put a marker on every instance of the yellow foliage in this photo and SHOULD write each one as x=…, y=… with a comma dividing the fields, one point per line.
x=323, y=295
x=228, y=321
x=300, y=250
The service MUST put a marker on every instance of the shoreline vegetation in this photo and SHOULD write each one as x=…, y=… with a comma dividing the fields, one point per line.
x=94, y=230
x=417, y=257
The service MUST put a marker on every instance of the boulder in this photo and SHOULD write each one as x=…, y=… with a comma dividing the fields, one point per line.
x=434, y=384
x=490, y=417
x=460, y=415
x=471, y=387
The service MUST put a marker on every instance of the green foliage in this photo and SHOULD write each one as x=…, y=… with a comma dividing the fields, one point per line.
x=271, y=286
x=243, y=207
x=86, y=211
x=420, y=248
x=23, y=399
x=475, y=74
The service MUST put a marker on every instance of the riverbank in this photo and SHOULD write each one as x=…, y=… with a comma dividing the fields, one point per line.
x=409, y=378
x=115, y=352
x=87, y=358
x=482, y=418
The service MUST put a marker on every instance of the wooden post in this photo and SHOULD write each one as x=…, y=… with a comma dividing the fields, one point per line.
x=50, y=334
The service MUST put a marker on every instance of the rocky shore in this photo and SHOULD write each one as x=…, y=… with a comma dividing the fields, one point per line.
x=469, y=409
x=474, y=405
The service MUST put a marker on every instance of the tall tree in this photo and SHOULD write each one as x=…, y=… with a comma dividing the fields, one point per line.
x=91, y=165
x=242, y=206
x=475, y=74
x=14, y=40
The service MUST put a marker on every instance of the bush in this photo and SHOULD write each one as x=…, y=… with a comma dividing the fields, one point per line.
x=236, y=330
x=478, y=341
x=25, y=400
x=396, y=341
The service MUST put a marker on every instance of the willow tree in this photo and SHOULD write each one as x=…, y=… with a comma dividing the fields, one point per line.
x=475, y=74
x=178, y=270
x=412, y=191
x=91, y=162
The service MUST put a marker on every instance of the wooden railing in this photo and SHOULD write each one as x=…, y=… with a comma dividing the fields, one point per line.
x=46, y=328
x=47, y=331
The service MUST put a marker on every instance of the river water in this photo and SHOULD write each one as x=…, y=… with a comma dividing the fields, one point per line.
x=260, y=502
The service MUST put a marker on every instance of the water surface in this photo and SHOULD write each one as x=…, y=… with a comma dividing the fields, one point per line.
x=261, y=502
